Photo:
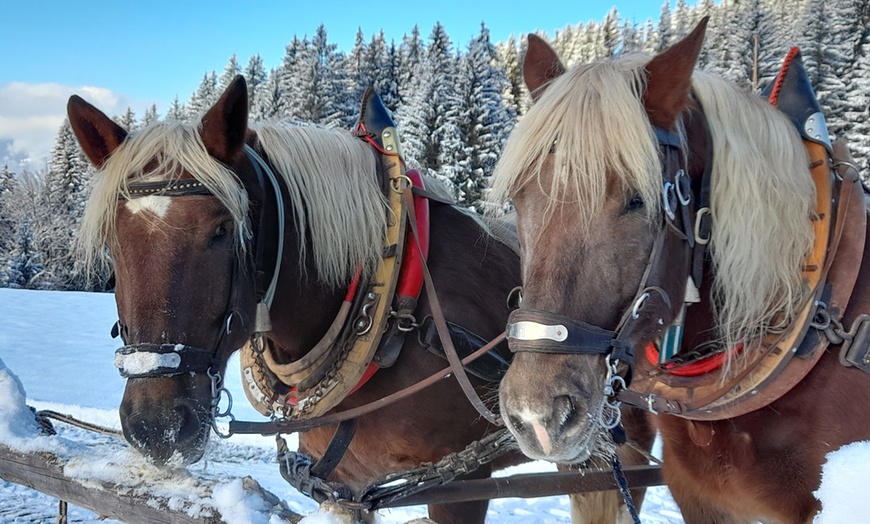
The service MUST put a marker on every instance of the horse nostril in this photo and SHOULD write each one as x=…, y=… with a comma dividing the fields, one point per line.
x=188, y=426
x=515, y=422
x=564, y=412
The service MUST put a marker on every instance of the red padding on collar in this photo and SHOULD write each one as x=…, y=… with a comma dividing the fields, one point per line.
x=411, y=274
x=695, y=368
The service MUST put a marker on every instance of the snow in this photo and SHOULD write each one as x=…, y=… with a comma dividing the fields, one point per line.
x=56, y=352
x=845, y=478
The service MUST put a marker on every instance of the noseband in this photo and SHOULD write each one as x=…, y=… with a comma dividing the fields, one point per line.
x=679, y=246
x=148, y=360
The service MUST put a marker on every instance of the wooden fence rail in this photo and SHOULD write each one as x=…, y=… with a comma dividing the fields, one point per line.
x=44, y=472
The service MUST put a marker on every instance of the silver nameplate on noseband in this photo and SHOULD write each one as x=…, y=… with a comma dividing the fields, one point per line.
x=527, y=330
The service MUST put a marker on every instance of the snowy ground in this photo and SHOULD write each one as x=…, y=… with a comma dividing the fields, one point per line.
x=58, y=345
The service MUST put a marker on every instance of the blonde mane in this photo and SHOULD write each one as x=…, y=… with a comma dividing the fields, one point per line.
x=338, y=207
x=591, y=124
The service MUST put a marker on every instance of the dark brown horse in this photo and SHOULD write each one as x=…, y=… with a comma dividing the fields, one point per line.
x=617, y=172
x=183, y=257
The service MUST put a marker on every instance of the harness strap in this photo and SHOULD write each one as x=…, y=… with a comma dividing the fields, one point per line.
x=335, y=451
x=526, y=332
x=443, y=331
x=161, y=360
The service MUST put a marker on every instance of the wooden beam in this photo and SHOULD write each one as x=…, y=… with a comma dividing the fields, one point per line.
x=43, y=472
x=531, y=485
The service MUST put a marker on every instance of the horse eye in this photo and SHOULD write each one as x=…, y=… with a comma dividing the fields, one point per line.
x=635, y=203
x=220, y=232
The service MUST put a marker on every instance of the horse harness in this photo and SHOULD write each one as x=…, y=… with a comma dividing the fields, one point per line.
x=367, y=333
x=655, y=379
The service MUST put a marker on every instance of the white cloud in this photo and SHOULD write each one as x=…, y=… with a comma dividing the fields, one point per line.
x=30, y=115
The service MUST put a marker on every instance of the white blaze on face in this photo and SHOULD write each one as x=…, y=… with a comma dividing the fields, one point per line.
x=159, y=205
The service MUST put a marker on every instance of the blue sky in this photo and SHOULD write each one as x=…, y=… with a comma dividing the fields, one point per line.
x=135, y=53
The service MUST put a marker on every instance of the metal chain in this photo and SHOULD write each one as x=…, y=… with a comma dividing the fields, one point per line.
x=296, y=469
x=399, y=485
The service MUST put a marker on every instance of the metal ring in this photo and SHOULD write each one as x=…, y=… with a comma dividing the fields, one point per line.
x=846, y=163
x=698, y=216
x=635, y=311
x=680, y=177
x=668, y=190
x=396, y=183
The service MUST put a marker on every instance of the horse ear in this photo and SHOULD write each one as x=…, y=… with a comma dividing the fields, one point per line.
x=540, y=66
x=225, y=125
x=97, y=134
x=669, y=78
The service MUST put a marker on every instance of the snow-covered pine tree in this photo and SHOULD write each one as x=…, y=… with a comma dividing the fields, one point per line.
x=64, y=195
x=411, y=54
x=177, y=111
x=204, y=97
x=509, y=60
x=127, y=120
x=230, y=71
x=267, y=102
x=487, y=118
x=150, y=116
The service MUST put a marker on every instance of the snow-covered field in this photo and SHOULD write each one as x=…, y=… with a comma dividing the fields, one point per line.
x=58, y=345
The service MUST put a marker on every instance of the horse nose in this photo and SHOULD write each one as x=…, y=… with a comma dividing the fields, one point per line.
x=545, y=425
x=170, y=436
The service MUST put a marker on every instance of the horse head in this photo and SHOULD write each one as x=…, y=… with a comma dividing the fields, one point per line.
x=171, y=205
x=584, y=169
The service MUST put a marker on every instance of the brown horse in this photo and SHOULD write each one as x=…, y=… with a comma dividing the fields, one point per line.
x=605, y=171
x=184, y=256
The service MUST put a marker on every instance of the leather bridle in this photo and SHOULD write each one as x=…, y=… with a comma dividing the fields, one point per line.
x=144, y=360
x=677, y=256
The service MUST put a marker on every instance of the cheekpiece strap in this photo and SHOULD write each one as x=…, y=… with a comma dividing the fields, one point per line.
x=161, y=360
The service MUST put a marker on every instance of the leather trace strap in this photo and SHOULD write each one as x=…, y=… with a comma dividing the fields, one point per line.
x=161, y=360
x=538, y=331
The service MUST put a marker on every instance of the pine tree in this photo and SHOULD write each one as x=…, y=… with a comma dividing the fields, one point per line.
x=255, y=76
x=231, y=70
x=510, y=61
x=411, y=53
x=268, y=99
x=127, y=120
x=64, y=200
x=150, y=116
x=204, y=97
x=485, y=121
x=177, y=111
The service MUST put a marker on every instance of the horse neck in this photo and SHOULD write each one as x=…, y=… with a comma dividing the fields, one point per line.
x=303, y=309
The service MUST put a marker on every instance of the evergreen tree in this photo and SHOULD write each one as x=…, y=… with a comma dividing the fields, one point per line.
x=150, y=116
x=231, y=70
x=268, y=99
x=204, y=97
x=486, y=120
x=256, y=78
x=177, y=111
x=411, y=53
x=64, y=201
x=127, y=120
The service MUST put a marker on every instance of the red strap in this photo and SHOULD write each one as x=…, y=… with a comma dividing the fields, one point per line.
x=694, y=369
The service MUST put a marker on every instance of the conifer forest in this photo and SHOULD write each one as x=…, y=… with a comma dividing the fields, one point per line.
x=455, y=102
